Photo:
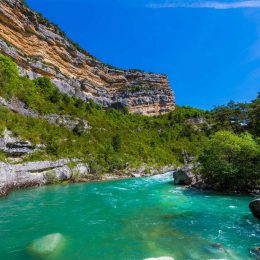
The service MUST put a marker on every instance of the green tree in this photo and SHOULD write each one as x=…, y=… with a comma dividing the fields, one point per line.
x=231, y=162
x=254, y=116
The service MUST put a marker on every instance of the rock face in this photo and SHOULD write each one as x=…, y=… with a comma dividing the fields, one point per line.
x=255, y=208
x=41, y=49
x=15, y=176
x=15, y=146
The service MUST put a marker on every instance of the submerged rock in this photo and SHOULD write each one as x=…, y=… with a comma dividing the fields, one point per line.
x=255, y=208
x=47, y=245
x=255, y=253
x=161, y=258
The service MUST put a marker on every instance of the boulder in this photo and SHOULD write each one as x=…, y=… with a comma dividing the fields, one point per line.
x=47, y=245
x=255, y=208
x=161, y=258
x=185, y=176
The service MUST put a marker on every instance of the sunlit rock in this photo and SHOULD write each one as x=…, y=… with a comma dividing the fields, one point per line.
x=184, y=176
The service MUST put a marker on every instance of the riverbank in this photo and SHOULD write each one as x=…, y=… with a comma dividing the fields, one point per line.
x=189, y=177
x=31, y=174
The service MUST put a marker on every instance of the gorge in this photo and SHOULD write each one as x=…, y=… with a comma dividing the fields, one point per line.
x=98, y=162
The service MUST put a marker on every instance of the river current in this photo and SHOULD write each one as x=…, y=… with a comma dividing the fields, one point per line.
x=127, y=219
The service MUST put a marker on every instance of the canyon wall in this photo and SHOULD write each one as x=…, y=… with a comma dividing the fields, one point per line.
x=41, y=49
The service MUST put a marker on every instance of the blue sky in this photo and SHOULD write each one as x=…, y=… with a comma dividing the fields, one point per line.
x=209, y=49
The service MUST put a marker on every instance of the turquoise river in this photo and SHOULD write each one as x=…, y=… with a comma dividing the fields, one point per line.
x=127, y=219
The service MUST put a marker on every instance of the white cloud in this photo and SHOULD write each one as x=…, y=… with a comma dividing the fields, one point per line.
x=208, y=4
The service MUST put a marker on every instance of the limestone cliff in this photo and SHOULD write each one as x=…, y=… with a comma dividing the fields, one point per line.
x=41, y=48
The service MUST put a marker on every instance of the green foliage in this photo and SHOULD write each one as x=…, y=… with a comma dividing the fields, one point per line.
x=116, y=143
x=231, y=162
x=181, y=114
x=238, y=117
x=254, y=116
x=116, y=139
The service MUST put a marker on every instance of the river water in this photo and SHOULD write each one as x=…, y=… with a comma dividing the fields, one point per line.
x=127, y=219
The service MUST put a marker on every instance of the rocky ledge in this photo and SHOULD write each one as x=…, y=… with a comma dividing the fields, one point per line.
x=16, y=176
x=41, y=49
x=30, y=174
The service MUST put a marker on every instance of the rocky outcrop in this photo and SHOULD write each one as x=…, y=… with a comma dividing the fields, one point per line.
x=185, y=176
x=16, y=176
x=41, y=49
x=15, y=146
x=67, y=121
x=197, y=121
x=146, y=170
x=255, y=208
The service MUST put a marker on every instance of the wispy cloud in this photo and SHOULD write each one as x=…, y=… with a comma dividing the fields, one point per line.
x=208, y=4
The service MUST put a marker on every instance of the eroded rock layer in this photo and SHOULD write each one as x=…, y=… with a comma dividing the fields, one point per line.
x=41, y=49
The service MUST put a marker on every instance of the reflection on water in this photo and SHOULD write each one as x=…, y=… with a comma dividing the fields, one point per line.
x=128, y=219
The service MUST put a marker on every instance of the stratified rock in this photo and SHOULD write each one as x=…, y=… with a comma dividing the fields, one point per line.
x=47, y=245
x=15, y=146
x=15, y=176
x=46, y=51
x=185, y=176
x=255, y=208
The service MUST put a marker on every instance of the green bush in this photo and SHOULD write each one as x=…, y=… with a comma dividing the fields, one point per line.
x=231, y=162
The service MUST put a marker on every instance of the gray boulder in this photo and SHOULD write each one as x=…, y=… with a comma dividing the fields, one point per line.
x=185, y=176
x=255, y=208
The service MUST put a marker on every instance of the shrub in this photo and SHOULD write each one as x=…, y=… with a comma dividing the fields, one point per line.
x=231, y=162
x=116, y=143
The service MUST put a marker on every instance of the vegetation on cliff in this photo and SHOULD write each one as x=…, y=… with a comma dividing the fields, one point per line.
x=117, y=140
